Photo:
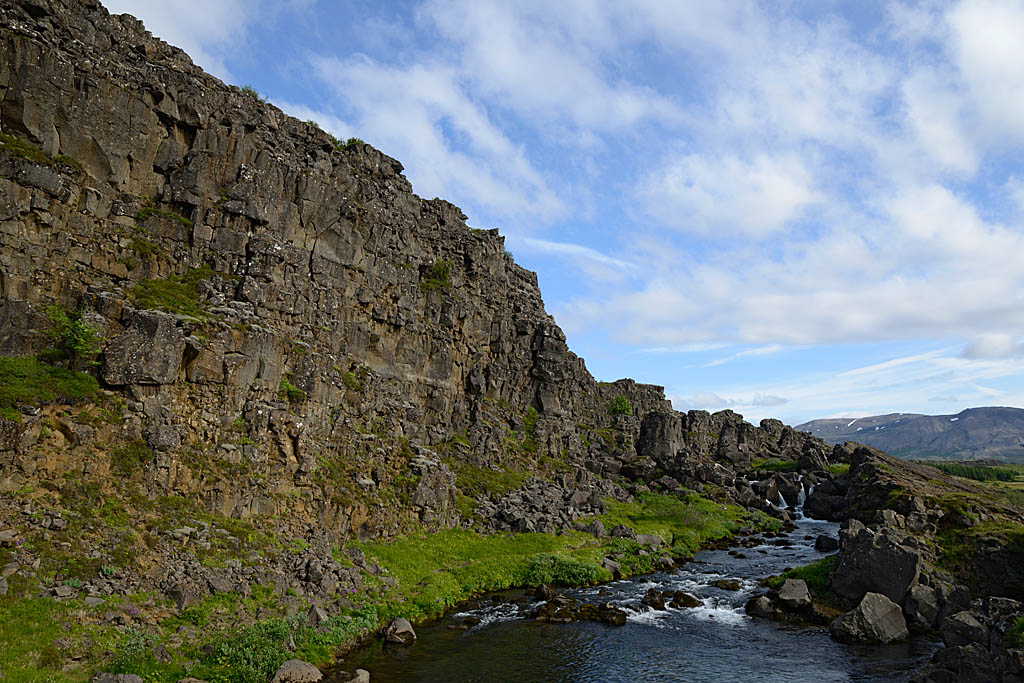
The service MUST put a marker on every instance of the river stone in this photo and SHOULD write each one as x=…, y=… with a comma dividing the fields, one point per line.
x=760, y=606
x=297, y=671
x=877, y=619
x=654, y=599
x=400, y=631
x=358, y=676
x=794, y=594
x=728, y=584
x=665, y=563
x=826, y=543
x=544, y=592
x=610, y=614
x=681, y=599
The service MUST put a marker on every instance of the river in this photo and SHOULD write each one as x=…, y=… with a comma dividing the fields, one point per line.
x=713, y=642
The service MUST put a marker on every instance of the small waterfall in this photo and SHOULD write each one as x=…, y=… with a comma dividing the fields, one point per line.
x=800, y=498
x=782, y=502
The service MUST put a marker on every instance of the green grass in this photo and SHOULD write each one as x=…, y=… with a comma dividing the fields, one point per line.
x=291, y=392
x=436, y=571
x=130, y=458
x=24, y=150
x=1015, y=634
x=839, y=468
x=684, y=524
x=815, y=574
x=979, y=472
x=174, y=294
x=26, y=381
x=476, y=481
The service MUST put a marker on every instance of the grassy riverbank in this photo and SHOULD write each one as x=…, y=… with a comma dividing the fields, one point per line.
x=228, y=638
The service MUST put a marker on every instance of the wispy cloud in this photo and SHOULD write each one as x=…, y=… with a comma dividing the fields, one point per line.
x=759, y=351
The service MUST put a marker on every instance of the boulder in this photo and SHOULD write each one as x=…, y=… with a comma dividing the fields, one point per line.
x=964, y=628
x=877, y=619
x=875, y=562
x=681, y=599
x=296, y=671
x=358, y=676
x=544, y=592
x=623, y=531
x=921, y=607
x=826, y=544
x=728, y=584
x=648, y=539
x=399, y=631
x=653, y=599
x=759, y=606
x=316, y=616
x=793, y=594
x=614, y=567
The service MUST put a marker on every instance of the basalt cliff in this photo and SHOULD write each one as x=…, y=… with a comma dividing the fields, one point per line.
x=233, y=346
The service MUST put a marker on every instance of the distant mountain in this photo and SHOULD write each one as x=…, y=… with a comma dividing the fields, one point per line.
x=974, y=433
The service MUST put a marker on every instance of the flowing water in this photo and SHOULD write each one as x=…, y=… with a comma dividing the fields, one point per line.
x=713, y=642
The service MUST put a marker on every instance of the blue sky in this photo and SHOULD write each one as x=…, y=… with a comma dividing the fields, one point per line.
x=794, y=210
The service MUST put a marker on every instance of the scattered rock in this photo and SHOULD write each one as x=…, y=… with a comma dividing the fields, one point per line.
x=759, y=606
x=728, y=584
x=544, y=592
x=400, y=631
x=681, y=599
x=297, y=671
x=115, y=678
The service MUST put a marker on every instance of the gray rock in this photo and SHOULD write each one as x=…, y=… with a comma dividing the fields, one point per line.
x=921, y=607
x=596, y=528
x=316, y=616
x=614, y=567
x=623, y=531
x=399, y=631
x=875, y=562
x=648, y=539
x=877, y=619
x=296, y=671
x=653, y=599
x=115, y=678
x=793, y=594
x=358, y=676
x=964, y=628
x=826, y=544
x=759, y=606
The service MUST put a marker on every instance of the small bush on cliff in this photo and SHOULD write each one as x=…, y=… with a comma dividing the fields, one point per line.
x=79, y=340
x=26, y=381
x=815, y=574
x=561, y=571
x=437, y=277
x=620, y=405
x=175, y=294
x=1015, y=634
x=252, y=92
x=24, y=150
x=290, y=391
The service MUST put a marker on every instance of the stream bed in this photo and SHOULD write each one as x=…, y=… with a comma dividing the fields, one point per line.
x=713, y=642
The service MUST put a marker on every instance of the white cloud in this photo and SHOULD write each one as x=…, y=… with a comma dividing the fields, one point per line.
x=575, y=251
x=993, y=345
x=424, y=116
x=759, y=351
x=990, y=54
x=703, y=194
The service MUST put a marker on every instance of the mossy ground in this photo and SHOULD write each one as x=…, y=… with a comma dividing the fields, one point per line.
x=27, y=381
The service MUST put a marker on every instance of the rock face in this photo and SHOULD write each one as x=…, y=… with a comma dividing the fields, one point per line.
x=289, y=330
x=883, y=561
x=877, y=619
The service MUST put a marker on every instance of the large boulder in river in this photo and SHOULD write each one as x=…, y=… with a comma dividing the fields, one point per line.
x=794, y=595
x=877, y=619
x=399, y=631
x=921, y=606
x=297, y=671
x=886, y=561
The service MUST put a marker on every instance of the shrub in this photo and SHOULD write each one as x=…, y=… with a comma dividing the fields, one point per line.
x=129, y=458
x=24, y=150
x=290, y=391
x=438, y=277
x=620, y=405
x=79, y=340
x=250, y=91
x=552, y=569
